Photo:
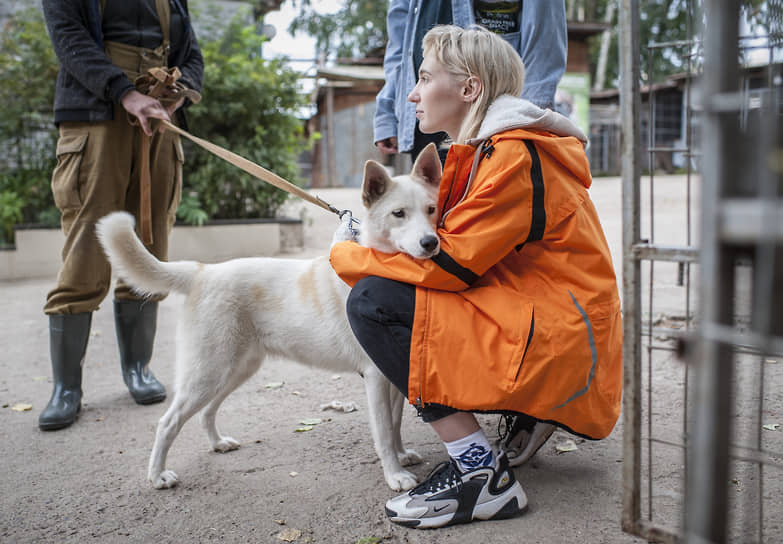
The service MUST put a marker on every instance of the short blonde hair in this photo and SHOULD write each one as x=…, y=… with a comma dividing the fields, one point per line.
x=476, y=51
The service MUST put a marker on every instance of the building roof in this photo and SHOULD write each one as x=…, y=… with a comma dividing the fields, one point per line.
x=351, y=73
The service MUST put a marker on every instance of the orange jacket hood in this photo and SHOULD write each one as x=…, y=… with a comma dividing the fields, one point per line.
x=508, y=112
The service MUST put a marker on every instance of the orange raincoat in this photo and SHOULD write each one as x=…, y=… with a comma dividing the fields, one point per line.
x=520, y=310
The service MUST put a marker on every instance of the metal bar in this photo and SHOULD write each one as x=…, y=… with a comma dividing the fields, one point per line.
x=667, y=149
x=706, y=504
x=751, y=220
x=630, y=105
x=684, y=254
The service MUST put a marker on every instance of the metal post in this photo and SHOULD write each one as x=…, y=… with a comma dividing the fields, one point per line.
x=630, y=106
x=706, y=504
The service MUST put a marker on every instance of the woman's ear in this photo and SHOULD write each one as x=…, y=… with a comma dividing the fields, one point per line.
x=471, y=89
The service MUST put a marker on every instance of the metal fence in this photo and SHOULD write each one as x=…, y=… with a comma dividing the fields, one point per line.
x=703, y=288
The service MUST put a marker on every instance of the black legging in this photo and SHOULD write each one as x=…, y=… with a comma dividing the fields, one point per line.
x=380, y=312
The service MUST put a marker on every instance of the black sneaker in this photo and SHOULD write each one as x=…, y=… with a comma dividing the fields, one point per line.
x=450, y=496
x=523, y=438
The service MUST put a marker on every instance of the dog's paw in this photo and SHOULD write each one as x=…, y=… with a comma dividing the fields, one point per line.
x=225, y=444
x=401, y=481
x=409, y=457
x=165, y=480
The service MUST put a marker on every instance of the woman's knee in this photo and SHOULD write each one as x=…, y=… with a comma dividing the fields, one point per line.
x=378, y=299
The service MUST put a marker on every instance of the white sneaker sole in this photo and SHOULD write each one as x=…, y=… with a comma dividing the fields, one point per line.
x=539, y=436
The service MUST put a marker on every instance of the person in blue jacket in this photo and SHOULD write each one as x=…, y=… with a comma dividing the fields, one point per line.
x=536, y=29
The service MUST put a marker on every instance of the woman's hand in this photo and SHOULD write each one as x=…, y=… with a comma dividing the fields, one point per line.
x=346, y=230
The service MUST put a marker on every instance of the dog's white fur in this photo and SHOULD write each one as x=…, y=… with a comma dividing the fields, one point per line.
x=238, y=312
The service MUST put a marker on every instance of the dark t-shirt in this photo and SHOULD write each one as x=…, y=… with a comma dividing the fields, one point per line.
x=501, y=16
x=136, y=23
x=434, y=12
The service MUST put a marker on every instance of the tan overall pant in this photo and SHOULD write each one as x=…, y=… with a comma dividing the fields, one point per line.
x=97, y=172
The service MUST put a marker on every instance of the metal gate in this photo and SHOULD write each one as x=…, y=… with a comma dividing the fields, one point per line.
x=703, y=287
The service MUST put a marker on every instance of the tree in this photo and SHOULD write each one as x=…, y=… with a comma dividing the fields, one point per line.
x=28, y=69
x=357, y=29
x=669, y=22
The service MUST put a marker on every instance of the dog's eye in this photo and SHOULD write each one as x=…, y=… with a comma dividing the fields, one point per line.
x=431, y=210
x=398, y=213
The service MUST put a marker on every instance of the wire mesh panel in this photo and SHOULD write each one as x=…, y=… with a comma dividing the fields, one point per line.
x=703, y=279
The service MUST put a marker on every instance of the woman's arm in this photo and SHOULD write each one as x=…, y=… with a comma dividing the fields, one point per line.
x=479, y=232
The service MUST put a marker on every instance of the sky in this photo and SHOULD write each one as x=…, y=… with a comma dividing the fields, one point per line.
x=302, y=46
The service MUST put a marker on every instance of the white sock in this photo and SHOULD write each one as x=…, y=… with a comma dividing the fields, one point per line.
x=472, y=451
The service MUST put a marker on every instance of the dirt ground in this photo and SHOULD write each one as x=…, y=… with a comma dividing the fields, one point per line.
x=325, y=485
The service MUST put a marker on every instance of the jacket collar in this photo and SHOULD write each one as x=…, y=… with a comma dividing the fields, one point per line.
x=509, y=112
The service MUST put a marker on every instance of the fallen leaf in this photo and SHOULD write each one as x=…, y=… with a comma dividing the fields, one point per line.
x=22, y=407
x=98, y=419
x=771, y=426
x=311, y=421
x=289, y=535
x=346, y=407
x=293, y=474
x=280, y=521
x=297, y=393
x=303, y=429
x=566, y=446
x=273, y=385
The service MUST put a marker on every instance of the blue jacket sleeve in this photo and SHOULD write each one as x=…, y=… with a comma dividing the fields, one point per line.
x=385, y=122
x=543, y=47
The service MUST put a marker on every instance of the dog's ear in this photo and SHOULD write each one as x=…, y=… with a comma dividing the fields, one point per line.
x=376, y=182
x=427, y=166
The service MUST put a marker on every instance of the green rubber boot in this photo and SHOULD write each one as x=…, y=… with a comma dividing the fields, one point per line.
x=68, y=336
x=135, y=322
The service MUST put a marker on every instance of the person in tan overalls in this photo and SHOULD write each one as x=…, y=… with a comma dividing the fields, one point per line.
x=103, y=47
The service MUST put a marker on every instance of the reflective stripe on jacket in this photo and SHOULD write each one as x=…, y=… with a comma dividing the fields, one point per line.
x=520, y=310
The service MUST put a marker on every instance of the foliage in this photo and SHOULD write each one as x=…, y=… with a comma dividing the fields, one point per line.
x=28, y=69
x=249, y=106
x=357, y=29
x=669, y=22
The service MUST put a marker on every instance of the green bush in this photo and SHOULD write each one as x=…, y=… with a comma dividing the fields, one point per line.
x=28, y=69
x=249, y=106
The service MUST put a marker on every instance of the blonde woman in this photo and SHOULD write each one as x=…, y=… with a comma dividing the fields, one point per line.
x=519, y=312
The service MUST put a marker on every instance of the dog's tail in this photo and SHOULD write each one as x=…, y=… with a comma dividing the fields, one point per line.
x=137, y=266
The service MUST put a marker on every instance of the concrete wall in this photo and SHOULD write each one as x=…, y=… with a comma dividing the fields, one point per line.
x=37, y=253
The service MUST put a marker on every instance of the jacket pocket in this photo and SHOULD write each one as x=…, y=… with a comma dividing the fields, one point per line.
x=527, y=329
x=65, y=178
x=176, y=189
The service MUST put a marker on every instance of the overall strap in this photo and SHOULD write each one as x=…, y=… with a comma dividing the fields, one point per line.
x=164, y=16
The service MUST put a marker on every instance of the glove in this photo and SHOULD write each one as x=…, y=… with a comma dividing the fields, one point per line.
x=346, y=230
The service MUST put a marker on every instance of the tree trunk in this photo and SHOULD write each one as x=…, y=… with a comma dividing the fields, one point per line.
x=606, y=40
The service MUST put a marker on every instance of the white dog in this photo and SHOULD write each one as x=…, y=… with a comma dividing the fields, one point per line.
x=238, y=312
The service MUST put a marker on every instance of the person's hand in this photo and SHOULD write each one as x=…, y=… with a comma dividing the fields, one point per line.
x=144, y=108
x=346, y=231
x=387, y=146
